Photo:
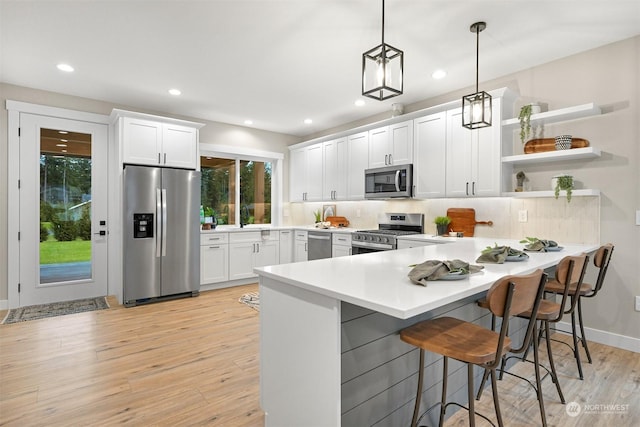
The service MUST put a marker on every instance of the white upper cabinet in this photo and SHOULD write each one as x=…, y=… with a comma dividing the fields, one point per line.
x=305, y=178
x=157, y=141
x=473, y=166
x=335, y=169
x=391, y=145
x=430, y=148
x=358, y=161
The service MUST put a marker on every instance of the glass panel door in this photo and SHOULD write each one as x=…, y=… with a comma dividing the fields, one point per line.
x=65, y=206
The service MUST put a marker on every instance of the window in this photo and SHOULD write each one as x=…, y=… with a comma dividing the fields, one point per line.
x=236, y=190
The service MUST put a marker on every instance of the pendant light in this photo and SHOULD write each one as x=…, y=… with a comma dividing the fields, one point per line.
x=382, y=69
x=476, y=108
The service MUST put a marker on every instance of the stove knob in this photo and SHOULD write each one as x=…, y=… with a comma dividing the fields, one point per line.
x=385, y=240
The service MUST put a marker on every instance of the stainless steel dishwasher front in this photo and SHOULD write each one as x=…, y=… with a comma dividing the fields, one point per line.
x=319, y=244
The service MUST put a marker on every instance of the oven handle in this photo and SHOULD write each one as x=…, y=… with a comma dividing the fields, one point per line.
x=370, y=245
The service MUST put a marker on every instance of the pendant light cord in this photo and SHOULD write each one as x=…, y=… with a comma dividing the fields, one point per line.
x=382, y=21
x=477, y=55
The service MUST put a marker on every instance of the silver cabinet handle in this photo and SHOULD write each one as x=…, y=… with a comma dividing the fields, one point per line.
x=159, y=158
x=467, y=190
x=214, y=247
x=214, y=238
x=386, y=159
x=390, y=159
x=165, y=158
x=473, y=188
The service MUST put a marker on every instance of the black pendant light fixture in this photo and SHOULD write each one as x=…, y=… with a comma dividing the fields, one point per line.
x=476, y=108
x=382, y=69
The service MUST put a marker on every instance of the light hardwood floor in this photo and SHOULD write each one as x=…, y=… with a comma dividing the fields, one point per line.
x=195, y=362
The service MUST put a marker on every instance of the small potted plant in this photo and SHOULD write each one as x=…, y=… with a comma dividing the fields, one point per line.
x=562, y=182
x=318, y=216
x=442, y=223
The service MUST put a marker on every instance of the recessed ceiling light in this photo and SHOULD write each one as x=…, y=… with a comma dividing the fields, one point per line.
x=439, y=74
x=308, y=121
x=64, y=151
x=61, y=145
x=64, y=140
x=248, y=122
x=63, y=132
x=175, y=92
x=65, y=67
x=359, y=103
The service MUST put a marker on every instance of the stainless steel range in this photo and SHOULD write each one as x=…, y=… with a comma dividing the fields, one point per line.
x=390, y=226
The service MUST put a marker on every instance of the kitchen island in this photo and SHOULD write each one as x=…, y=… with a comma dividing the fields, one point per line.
x=330, y=354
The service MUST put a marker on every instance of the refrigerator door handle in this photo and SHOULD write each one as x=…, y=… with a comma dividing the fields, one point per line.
x=164, y=222
x=158, y=219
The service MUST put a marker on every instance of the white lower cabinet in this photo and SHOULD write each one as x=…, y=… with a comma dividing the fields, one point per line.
x=214, y=258
x=341, y=245
x=286, y=246
x=249, y=249
x=300, y=248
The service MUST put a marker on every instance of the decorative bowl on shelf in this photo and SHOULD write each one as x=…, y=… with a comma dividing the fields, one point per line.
x=563, y=142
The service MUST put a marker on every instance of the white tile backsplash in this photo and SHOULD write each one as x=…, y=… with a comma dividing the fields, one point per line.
x=548, y=218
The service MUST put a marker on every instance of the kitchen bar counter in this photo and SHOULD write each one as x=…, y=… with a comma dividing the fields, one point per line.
x=329, y=350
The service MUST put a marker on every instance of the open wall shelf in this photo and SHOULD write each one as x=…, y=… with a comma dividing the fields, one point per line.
x=555, y=116
x=553, y=156
x=550, y=193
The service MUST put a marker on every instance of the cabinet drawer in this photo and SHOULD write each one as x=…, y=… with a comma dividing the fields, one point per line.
x=301, y=235
x=213, y=238
x=342, y=239
x=245, y=236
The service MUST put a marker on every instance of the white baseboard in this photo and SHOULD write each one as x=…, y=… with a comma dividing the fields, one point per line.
x=607, y=338
x=4, y=304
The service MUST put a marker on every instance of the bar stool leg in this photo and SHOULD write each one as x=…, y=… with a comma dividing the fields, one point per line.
x=536, y=364
x=482, y=383
x=554, y=375
x=443, y=398
x=472, y=410
x=576, y=350
x=416, y=408
x=582, y=336
x=496, y=402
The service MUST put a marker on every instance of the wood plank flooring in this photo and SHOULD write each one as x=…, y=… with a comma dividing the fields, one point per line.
x=195, y=362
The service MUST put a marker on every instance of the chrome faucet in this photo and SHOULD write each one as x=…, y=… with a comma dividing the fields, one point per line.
x=244, y=215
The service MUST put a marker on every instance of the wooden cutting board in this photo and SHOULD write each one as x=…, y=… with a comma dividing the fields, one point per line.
x=464, y=219
x=549, y=144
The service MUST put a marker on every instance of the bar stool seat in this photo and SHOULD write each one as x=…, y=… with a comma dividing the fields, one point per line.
x=474, y=344
x=457, y=339
x=557, y=288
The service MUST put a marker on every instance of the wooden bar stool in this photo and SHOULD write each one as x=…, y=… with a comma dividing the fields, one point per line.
x=601, y=261
x=474, y=344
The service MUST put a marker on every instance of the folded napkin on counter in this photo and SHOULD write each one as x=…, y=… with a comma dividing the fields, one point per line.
x=539, y=245
x=435, y=269
x=499, y=254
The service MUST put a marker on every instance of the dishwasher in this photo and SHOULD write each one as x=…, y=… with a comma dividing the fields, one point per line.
x=319, y=244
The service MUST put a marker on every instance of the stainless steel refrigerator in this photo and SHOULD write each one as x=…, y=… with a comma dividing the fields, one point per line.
x=161, y=233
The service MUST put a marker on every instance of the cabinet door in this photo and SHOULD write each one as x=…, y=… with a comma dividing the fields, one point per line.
x=339, y=250
x=141, y=141
x=300, y=251
x=267, y=253
x=314, y=173
x=487, y=165
x=241, y=260
x=214, y=264
x=335, y=169
x=379, y=150
x=286, y=246
x=401, y=143
x=297, y=174
x=459, y=156
x=179, y=146
x=430, y=156
x=358, y=162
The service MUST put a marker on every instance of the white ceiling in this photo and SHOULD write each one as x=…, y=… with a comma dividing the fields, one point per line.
x=278, y=62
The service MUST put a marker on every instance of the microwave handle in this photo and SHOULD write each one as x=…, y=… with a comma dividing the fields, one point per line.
x=398, y=180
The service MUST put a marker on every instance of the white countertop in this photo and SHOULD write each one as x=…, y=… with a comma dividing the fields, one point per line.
x=378, y=281
x=260, y=227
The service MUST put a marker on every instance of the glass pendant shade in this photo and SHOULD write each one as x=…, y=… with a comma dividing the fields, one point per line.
x=382, y=69
x=476, y=110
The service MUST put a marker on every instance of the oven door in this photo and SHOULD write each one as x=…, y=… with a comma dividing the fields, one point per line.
x=365, y=248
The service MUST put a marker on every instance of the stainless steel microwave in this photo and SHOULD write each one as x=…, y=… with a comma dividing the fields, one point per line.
x=388, y=182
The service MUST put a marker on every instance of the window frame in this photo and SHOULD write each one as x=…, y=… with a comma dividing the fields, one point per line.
x=247, y=154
